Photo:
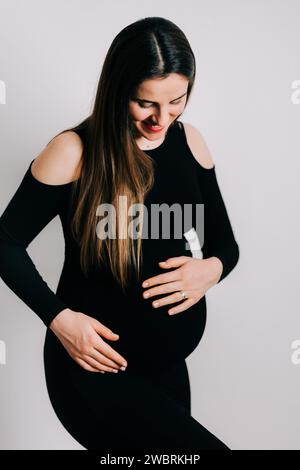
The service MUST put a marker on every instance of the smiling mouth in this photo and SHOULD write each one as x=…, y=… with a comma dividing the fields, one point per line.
x=152, y=127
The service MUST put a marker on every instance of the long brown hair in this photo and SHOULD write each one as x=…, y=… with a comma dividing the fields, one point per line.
x=112, y=162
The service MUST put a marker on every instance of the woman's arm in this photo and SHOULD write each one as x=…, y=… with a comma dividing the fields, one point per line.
x=219, y=239
x=37, y=200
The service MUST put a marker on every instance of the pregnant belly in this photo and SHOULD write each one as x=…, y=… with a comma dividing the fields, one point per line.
x=158, y=340
x=148, y=337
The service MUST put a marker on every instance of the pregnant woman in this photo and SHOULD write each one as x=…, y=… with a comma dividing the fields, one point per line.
x=115, y=360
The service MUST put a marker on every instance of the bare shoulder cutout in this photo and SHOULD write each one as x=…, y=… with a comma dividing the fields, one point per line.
x=60, y=160
x=198, y=146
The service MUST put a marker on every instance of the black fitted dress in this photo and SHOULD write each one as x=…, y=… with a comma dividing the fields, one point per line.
x=148, y=406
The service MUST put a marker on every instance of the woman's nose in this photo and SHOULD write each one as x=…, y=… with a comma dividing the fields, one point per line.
x=161, y=121
x=161, y=117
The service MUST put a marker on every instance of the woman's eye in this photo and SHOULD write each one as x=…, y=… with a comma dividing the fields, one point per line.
x=143, y=106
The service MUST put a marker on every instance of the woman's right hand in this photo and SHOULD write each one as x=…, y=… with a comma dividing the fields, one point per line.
x=80, y=335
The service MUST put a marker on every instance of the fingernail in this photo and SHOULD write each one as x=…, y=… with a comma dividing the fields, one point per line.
x=122, y=368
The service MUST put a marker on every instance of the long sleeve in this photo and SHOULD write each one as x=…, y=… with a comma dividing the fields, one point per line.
x=219, y=239
x=31, y=208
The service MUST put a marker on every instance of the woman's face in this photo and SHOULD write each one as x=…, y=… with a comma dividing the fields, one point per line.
x=157, y=102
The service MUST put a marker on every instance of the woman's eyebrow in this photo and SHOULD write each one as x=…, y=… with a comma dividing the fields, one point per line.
x=148, y=101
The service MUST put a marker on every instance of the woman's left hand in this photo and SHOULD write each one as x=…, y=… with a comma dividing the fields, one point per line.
x=194, y=277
